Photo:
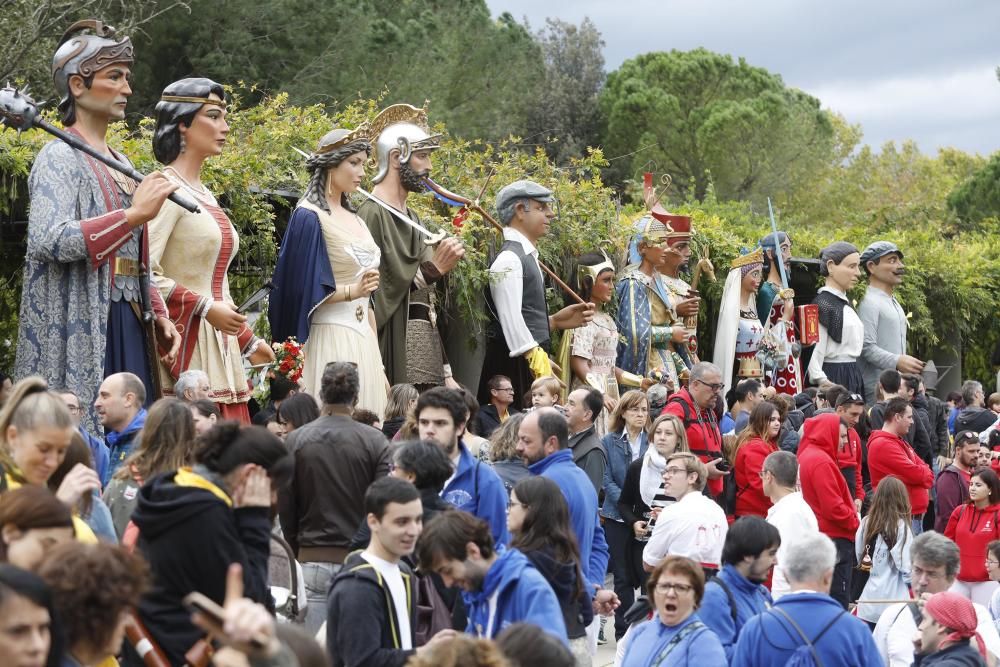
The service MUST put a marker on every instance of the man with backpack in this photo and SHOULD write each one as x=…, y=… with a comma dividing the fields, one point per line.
x=737, y=593
x=807, y=627
x=695, y=406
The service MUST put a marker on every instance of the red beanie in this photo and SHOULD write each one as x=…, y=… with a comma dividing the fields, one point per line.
x=956, y=613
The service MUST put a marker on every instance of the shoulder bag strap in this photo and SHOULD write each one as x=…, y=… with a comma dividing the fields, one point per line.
x=675, y=642
x=802, y=635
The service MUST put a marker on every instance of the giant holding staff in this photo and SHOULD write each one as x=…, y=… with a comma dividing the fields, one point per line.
x=84, y=276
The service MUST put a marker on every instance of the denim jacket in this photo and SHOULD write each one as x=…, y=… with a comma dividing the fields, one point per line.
x=619, y=458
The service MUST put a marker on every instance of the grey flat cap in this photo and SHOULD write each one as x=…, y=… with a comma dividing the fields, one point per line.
x=523, y=190
x=878, y=250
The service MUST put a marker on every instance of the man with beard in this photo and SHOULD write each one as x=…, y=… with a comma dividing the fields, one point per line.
x=474, y=487
x=83, y=288
x=952, y=486
x=777, y=311
x=682, y=302
x=405, y=303
x=738, y=593
x=883, y=318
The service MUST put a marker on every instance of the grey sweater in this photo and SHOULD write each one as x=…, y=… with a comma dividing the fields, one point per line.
x=885, y=337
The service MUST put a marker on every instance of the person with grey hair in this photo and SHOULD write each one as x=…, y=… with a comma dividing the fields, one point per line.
x=808, y=624
x=883, y=318
x=695, y=406
x=975, y=416
x=409, y=336
x=789, y=513
x=192, y=385
x=518, y=335
x=336, y=459
x=841, y=333
x=935, y=561
x=328, y=269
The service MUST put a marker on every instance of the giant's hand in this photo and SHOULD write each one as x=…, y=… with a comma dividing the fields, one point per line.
x=225, y=318
x=572, y=317
x=447, y=254
x=688, y=307
x=167, y=337
x=148, y=198
x=908, y=364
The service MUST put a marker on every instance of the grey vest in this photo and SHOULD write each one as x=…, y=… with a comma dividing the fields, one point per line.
x=533, y=306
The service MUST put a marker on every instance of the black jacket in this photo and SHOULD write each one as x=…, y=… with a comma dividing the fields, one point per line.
x=566, y=579
x=924, y=443
x=589, y=456
x=487, y=420
x=975, y=419
x=361, y=629
x=190, y=536
x=957, y=655
x=937, y=414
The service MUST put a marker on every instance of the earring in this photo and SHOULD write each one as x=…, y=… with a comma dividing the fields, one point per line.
x=183, y=144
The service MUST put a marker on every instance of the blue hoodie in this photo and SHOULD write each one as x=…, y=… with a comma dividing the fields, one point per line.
x=768, y=638
x=122, y=444
x=649, y=640
x=750, y=599
x=523, y=596
x=478, y=490
x=582, y=501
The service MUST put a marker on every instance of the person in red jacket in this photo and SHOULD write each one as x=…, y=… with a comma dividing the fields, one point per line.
x=890, y=454
x=695, y=405
x=826, y=493
x=759, y=439
x=850, y=407
x=952, y=485
x=973, y=526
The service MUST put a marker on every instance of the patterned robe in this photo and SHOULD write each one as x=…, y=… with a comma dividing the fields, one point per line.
x=642, y=304
x=76, y=226
x=788, y=378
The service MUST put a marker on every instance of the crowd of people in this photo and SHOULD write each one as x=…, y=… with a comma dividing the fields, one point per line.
x=369, y=510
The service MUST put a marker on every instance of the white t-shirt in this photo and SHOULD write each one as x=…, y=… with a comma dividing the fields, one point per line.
x=895, y=630
x=794, y=520
x=695, y=526
x=394, y=581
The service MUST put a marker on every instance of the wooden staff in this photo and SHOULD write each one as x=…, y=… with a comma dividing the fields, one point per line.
x=475, y=206
x=907, y=601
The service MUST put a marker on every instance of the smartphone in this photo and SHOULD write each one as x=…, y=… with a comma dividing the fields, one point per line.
x=202, y=604
x=722, y=465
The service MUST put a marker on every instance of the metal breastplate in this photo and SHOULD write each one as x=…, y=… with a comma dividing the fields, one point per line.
x=126, y=287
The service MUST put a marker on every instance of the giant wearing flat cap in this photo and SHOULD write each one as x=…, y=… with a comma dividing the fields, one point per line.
x=518, y=335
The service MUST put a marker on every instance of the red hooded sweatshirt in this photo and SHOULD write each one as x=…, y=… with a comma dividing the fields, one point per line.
x=849, y=461
x=750, y=498
x=823, y=485
x=972, y=530
x=888, y=454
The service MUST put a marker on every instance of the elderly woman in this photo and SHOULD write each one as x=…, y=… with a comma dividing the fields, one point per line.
x=675, y=636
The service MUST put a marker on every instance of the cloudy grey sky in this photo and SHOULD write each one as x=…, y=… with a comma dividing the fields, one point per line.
x=902, y=69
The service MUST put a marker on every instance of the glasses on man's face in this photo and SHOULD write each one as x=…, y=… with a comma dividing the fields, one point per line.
x=73, y=409
x=506, y=390
x=762, y=473
x=673, y=471
x=680, y=589
x=714, y=386
x=991, y=563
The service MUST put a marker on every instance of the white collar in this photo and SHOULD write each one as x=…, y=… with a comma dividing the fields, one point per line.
x=511, y=234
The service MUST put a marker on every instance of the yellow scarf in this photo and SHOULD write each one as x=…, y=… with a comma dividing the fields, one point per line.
x=188, y=477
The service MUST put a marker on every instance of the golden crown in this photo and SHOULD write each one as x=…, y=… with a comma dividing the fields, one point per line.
x=398, y=113
x=755, y=257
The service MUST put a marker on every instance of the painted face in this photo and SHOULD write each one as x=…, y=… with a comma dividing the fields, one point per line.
x=751, y=280
x=26, y=549
x=399, y=528
x=889, y=270
x=420, y=163
x=846, y=274
x=516, y=513
x=108, y=93
x=39, y=451
x=603, y=287
x=208, y=130
x=437, y=425
x=347, y=176
x=665, y=438
x=674, y=598
x=25, y=632
x=536, y=217
x=530, y=446
x=652, y=251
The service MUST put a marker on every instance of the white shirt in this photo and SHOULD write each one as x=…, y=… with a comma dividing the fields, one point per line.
x=695, y=526
x=852, y=339
x=794, y=520
x=394, y=581
x=895, y=630
x=506, y=285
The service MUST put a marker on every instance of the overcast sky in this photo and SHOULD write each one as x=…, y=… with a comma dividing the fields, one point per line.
x=902, y=69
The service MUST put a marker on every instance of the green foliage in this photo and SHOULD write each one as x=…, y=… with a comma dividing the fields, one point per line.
x=702, y=117
x=977, y=200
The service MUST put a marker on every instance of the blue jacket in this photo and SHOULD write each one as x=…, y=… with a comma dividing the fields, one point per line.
x=582, y=501
x=122, y=444
x=478, y=490
x=750, y=599
x=619, y=458
x=648, y=640
x=768, y=639
x=523, y=596
x=100, y=454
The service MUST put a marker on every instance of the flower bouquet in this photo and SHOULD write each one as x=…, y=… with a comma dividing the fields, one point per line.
x=289, y=361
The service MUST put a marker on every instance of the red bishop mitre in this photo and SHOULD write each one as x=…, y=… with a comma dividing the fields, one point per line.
x=678, y=226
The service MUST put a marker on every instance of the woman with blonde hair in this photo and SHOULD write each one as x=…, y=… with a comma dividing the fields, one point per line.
x=753, y=445
x=882, y=548
x=503, y=452
x=402, y=399
x=625, y=442
x=642, y=495
x=166, y=443
x=36, y=430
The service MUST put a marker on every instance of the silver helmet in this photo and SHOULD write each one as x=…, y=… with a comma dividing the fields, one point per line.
x=86, y=54
x=400, y=127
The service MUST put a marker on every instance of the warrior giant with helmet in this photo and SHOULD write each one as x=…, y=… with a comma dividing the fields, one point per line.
x=85, y=276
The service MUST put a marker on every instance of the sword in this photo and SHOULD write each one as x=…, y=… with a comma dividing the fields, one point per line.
x=432, y=238
x=778, y=259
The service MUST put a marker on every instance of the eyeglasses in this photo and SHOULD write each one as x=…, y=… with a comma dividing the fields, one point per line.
x=762, y=473
x=521, y=505
x=990, y=561
x=673, y=471
x=73, y=409
x=714, y=386
x=505, y=389
x=680, y=589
